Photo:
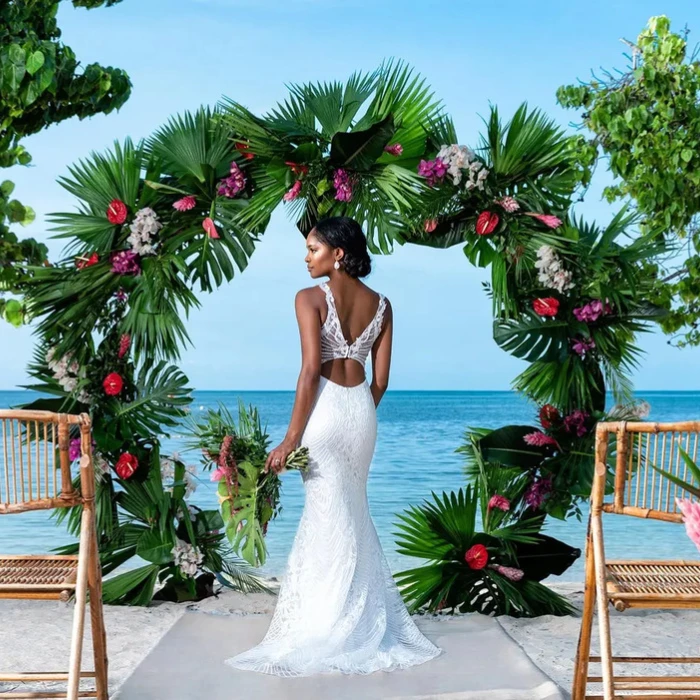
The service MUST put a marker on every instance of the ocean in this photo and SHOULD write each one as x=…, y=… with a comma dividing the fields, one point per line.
x=418, y=433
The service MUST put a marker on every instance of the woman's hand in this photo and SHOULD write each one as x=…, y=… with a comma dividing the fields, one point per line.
x=277, y=458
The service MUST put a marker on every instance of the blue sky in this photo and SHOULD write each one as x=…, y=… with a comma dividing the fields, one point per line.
x=183, y=53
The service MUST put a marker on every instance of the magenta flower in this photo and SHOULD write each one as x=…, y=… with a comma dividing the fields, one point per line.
x=395, y=149
x=576, y=422
x=540, y=439
x=185, y=204
x=500, y=502
x=125, y=262
x=218, y=474
x=343, y=185
x=590, y=312
x=546, y=219
x=582, y=346
x=432, y=170
x=234, y=184
x=538, y=491
x=121, y=295
x=124, y=345
x=691, y=518
x=294, y=192
x=511, y=573
x=74, y=449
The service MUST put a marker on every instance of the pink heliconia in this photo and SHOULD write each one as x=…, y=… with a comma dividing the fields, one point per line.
x=547, y=219
x=396, y=149
x=500, y=502
x=186, y=203
x=509, y=204
x=294, y=192
x=210, y=227
x=691, y=518
x=510, y=572
x=540, y=439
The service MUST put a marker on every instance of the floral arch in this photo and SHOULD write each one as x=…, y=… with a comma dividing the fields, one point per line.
x=181, y=212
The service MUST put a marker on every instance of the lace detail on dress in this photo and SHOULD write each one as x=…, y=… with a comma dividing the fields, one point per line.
x=339, y=608
x=333, y=342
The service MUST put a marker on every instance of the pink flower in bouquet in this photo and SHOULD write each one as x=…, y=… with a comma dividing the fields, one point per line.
x=538, y=491
x=432, y=170
x=218, y=474
x=540, y=439
x=186, y=203
x=294, y=192
x=582, y=346
x=210, y=227
x=125, y=262
x=74, y=449
x=124, y=345
x=430, y=225
x=576, y=422
x=343, y=185
x=590, y=312
x=396, y=149
x=509, y=204
x=511, y=573
x=121, y=295
x=691, y=518
x=500, y=502
x=232, y=185
x=546, y=219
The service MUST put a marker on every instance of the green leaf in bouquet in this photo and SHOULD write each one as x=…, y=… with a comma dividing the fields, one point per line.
x=507, y=446
x=249, y=541
x=360, y=150
x=155, y=547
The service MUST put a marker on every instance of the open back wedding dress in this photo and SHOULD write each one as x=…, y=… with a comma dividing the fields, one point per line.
x=339, y=609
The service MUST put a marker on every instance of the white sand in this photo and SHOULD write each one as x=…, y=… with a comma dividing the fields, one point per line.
x=35, y=634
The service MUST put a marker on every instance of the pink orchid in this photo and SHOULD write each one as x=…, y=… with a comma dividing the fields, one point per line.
x=210, y=227
x=691, y=518
x=186, y=203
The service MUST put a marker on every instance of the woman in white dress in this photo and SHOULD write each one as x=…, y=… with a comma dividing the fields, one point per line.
x=338, y=609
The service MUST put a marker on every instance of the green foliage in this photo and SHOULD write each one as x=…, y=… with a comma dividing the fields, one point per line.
x=40, y=85
x=646, y=121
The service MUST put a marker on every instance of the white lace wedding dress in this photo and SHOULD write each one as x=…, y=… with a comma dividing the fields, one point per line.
x=339, y=609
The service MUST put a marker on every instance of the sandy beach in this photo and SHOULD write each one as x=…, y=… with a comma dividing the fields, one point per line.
x=37, y=634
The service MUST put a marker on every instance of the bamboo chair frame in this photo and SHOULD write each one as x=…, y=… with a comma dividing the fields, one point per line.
x=641, y=492
x=32, y=478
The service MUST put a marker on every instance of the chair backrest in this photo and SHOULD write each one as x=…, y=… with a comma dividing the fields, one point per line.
x=35, y=465
x=637, y=447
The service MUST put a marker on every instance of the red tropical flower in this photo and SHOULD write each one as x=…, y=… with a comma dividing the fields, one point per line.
x=124, y=345
x=113, y=384
x=547, y=306
x=92, y=260
x=126, y=465
x=210, y=227
x=243, y=149
x=477, y=557
x=429, y=225
x=549, y=415
x=117, y=212
x=297, y=168
x=486, y=223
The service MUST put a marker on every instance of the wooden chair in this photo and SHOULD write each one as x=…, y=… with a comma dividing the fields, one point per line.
x=641, y=492
x=35, y=474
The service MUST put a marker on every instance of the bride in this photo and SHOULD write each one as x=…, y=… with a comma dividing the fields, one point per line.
x=338, y=609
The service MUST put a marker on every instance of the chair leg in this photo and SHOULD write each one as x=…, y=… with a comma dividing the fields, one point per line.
x=76, y=647
x=602, y=605
x=99, y=637
x=583, y=653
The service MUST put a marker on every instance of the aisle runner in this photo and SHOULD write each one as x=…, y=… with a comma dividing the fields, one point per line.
x=481, y=662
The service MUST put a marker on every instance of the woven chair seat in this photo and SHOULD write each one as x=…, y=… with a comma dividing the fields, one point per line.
x=653, y=581
x=36, y=573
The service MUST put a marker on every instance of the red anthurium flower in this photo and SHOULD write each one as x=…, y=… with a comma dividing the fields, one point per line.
x=477, y=557
x=549, y=415
x=116, y=212
x=297, y=168
x=113, y=384
x=243, y=149
x=430, y=225
x=83, y=262
x=486, y=223
x=210, y=227
x=126, y=465
x=548, y=306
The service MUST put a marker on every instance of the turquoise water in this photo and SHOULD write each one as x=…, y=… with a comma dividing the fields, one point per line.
x=418, y=433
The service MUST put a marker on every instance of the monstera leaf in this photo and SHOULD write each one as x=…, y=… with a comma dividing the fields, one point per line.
x=531, y=338
x=508, y=447
x=360, y=150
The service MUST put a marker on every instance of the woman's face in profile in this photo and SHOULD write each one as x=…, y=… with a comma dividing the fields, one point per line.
x=319, y=256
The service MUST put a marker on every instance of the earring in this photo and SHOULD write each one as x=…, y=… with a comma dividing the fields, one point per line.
x=336, y=265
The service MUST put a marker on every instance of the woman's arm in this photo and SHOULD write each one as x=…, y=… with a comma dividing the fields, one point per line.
x=381, y=356
x=309, y=377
